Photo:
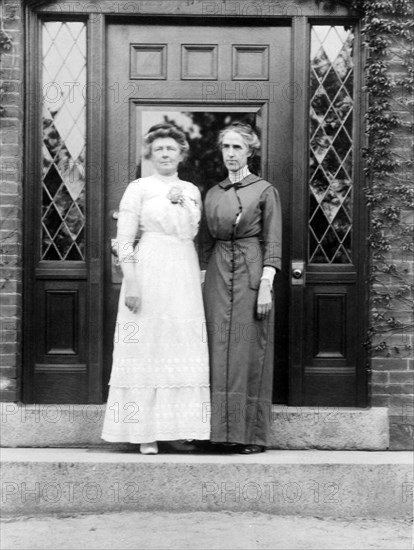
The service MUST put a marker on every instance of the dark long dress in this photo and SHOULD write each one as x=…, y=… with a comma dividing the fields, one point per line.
x=243, y=235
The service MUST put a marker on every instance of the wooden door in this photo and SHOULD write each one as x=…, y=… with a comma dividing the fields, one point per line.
x=297, y=82
x=200, y=77
x=327, y=307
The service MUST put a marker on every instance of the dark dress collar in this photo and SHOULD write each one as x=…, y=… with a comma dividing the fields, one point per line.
x=248, y=180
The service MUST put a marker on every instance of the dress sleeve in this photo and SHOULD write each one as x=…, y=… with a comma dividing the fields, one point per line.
x=271, y=228
x=205, y=241
x=128, y=220
x=192, y=202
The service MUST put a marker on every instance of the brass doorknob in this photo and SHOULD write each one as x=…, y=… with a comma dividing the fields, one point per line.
x=297, y=273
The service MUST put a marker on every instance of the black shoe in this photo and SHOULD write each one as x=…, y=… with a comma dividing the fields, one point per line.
x=224, y=447
x=251, y=449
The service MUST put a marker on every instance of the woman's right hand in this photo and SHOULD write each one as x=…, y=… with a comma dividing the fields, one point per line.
x=132, y=297
x=264, y=299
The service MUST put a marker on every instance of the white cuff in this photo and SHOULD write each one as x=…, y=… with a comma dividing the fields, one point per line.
x=202, y=276
x=269, y=273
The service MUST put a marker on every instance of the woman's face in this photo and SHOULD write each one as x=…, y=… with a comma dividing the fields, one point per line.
x=165, y=156
x=235, y=151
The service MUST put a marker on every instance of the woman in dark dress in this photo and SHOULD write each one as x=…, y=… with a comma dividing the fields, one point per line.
x=242, y=253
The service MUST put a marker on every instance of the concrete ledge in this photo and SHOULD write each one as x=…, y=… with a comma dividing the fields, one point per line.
x=330, y=428
x=402, y=432
x=307, y=483
x=292, y=427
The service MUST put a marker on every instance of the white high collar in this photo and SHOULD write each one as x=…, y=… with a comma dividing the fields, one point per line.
x=234, y=177
x=167, y=179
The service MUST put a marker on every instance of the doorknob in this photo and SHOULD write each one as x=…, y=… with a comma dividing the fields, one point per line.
x=298, y=273
x=115, y=215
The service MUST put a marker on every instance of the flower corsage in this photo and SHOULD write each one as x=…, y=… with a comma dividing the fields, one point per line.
x=175, y=195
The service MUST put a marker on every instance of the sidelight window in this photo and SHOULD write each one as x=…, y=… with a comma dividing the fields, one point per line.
x=331, y=144
x=63, y=147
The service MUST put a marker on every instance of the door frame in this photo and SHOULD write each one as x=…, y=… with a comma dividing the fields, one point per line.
x=301, y=71
x=92, y=272
x=275, y=126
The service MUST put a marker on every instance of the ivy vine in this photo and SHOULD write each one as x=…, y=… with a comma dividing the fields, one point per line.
x=6, y=43
x=388, y=33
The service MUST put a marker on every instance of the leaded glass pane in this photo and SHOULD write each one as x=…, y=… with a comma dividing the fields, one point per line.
x=64, y=132
x=331, y=146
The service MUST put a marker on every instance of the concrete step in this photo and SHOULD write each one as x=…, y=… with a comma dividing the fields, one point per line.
x=340, y=484
x=292, y=427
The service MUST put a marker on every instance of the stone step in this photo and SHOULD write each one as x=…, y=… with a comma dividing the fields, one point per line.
x=341, y=484
x=292, y=427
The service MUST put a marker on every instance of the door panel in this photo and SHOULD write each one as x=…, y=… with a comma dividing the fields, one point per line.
x=201, y=79
x=55, y=354
x=329, y=350
x=328, y=255
x=60, y=367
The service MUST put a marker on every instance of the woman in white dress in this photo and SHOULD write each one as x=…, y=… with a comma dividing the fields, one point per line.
x=159, y=385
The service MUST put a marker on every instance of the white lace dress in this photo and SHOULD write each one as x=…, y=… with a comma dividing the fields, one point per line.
x=159, y=385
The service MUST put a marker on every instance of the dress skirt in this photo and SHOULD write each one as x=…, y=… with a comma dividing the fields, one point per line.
x=159, y=386
x=240, y=346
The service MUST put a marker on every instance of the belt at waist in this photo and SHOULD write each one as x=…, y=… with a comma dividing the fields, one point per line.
x=241, y=240
x=159, y=234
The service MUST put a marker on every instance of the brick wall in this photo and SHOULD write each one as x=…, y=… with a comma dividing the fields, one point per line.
x=392, y=381
x=11, y=163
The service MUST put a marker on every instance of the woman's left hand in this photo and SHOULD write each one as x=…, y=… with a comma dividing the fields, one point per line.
x=264, y=299
x=132, y=295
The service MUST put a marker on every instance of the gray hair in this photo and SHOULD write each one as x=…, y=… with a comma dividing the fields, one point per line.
x=246, y=132
x=165, y=130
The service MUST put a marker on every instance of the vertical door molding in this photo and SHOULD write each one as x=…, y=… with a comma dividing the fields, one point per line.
x=361, y=219
x=299, y=206
x=95, y=202
x=32, y=174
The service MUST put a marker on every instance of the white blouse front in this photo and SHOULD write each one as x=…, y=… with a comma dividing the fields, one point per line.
x=146, y=207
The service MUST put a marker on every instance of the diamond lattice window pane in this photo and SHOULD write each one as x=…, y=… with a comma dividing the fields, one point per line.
x=64, y=130
x=331, y=145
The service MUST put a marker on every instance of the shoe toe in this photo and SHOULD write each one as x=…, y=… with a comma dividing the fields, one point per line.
x=251, y=449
